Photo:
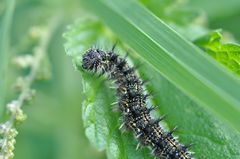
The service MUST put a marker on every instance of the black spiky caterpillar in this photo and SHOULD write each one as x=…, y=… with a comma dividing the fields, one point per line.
x=132, y=104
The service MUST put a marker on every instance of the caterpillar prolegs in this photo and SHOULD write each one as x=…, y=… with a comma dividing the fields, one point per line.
x=132, y=104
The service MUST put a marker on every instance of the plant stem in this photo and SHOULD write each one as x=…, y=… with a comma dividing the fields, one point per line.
x=15, y=106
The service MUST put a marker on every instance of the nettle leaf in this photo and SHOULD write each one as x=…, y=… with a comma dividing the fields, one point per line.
x=227, y=54
x=188, y=21
x=212, y=139
x=85, y=33
x=101, y=124
x=81, y=34
x=172, y=10
x=177, y=59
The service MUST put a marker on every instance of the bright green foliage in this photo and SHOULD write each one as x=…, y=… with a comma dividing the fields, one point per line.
x=211, y=135
x=102, y=125
x=192, y=25
x=82, y=35
x=227, y=54
x=54, y=129
x=172, y=11
x=196, y=124
x=187, y=21
x=172, y=56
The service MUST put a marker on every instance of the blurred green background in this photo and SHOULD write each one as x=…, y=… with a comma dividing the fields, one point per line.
x=53, y=129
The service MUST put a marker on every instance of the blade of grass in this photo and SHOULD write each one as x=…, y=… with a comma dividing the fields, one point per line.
x=5, y=25
x=183, y=64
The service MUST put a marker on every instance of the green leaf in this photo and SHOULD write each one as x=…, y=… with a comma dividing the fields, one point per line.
x=185, y=20
x=81, y=35
x=102, y=124
x=196, y=125
x=5, y=23
x=189, y=22
x=179, y=61
x=227, y=54
x=172, y=11
x=211, y=137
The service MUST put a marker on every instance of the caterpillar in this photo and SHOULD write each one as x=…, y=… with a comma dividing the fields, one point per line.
x=132, y=104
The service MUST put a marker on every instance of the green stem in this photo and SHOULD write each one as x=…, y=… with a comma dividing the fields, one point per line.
x=40, y=51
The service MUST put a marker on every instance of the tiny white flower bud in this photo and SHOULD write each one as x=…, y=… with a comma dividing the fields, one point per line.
x=23, y=61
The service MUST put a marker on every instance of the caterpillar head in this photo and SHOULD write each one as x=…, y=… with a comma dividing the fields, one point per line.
x=92, y=59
